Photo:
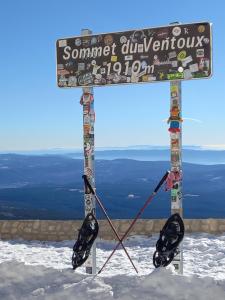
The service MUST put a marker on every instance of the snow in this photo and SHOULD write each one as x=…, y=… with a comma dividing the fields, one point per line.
x=42, y=270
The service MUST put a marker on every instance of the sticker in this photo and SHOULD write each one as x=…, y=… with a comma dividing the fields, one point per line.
x=72, y=81
x=186, y=30
x=81, y=66
x=143, y=64
x=88, y=172
x=95, y=69
x=175, y=144
x=175, y=111
x=140, y=48
x=181, y=55
x=175, y=76
x=98, y=76
x=187, y=74
x=134, y=78
x=173, y=192
x=180, y=69
x=141, y=73
x=145, y=78
x=200, y=53
x=87, y=128
x=60, y=67
x=113, y=58
x=176, y=31
x=174, y=63
x=93, y=62
x=77, y=42
x=163, y=33
x=174, y=89
x=128, y=79
x=108, y=40
x=116, y=78
x=123, y=39
x=87, y=119
x=85, y=79
x=172, y=54
x=174, y=135
x=63, y=72
x=102, y=71
x=193, y=68
x=201, y=28
x=151, y=78
x=204, y=63
x=62, y=43
x=86, y=41
x=186, y=61
x=206, y=40
x=88, y=149
x=128, y=57
x=94, y=40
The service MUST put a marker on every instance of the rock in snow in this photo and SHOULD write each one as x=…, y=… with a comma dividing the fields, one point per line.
x=37, y=270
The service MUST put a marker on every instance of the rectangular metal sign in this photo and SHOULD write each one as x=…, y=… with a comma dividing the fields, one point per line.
x=174, y=52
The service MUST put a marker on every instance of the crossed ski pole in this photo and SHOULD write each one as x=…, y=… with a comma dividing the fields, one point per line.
x=87, y=184
x=135, y=219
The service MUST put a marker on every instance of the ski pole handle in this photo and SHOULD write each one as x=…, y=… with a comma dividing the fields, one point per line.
x=87, y=184
x=161, y=182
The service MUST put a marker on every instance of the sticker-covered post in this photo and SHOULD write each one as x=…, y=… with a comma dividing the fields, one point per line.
x=175, y=130
x=87, y=101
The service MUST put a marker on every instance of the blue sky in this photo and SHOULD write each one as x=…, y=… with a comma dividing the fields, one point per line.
x=35, y=114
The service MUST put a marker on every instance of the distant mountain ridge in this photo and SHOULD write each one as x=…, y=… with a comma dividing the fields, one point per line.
x=51, y=187
x=190, y=154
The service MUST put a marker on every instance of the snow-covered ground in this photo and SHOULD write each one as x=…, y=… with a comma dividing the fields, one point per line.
x=42, y=270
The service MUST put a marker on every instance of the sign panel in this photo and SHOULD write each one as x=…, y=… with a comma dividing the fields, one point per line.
x=174, y=52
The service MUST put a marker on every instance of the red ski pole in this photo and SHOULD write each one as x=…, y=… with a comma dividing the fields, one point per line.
x=137, y=216
x=87, y=184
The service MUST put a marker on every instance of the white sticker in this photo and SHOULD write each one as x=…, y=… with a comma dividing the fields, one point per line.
x=78, y=42
x=186, y=60
x=200, y=52
x=140, y=48
x=72, y=81
x=81, y=66
x=187, y=74
x=123, y=39
x=142, y=73
x=193, y=68
x=102, y=70
x=98, y=76
x=172, y=54
x=176, y=31
x=174, y=63
x=180, y=69
x=62, y=43
x=128, y=57
x=95, y=69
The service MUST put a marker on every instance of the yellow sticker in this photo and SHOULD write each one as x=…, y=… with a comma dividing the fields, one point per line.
x=201, y=28
x=145, y=78
x=174, y=89
x=114, y=58
x=181, y=55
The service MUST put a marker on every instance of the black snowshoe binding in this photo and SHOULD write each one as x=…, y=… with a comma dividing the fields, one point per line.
x=86, y=237
x=169, y=239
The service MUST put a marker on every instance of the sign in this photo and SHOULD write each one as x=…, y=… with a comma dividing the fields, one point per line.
x=174, y=52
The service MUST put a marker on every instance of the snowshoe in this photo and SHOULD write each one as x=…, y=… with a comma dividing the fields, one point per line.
x=86, y=237
x=169, y=239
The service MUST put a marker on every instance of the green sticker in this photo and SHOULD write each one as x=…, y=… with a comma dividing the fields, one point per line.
x=173, y=193
x=175, y=76
x=181, y=55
